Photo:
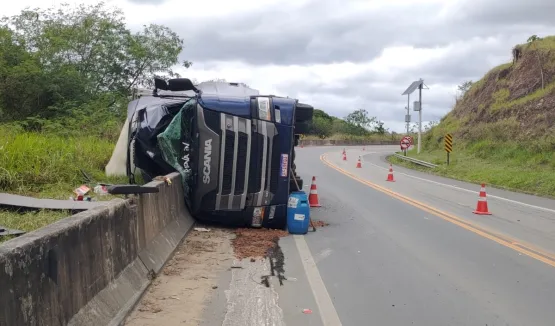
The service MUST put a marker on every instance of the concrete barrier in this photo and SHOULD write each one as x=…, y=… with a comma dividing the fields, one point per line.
x=91, y=268
x=332, y=142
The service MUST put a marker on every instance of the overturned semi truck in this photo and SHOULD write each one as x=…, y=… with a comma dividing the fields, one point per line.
x=234, y=148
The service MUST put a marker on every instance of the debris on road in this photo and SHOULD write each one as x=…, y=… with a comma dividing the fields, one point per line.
x=319, y=224
x=163, y=178
x=307, y=311
x=202, y=230
x=256, y=243
x=192, y=273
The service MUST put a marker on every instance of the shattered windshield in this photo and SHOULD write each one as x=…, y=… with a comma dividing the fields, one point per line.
x=175, y=142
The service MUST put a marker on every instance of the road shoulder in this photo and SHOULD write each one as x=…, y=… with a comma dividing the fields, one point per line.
x=179, y=293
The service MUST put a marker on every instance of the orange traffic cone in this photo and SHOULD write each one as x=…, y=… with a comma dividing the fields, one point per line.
x=482, y=206
x=390, y=174
x=344, y=156
x=313, y=197
x=359, y=163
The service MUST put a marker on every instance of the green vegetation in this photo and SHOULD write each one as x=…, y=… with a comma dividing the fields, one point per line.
x=356, y=126
x=66, y=77
x=48, y=165
x=29, y=221
x=503, y=126
x=509, y=168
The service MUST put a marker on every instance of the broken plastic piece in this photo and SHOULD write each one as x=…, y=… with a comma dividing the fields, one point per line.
x=82, y=191
x=307, y=311
x=101, y=190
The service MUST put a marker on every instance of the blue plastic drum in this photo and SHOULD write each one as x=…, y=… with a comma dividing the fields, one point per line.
x=298, y=213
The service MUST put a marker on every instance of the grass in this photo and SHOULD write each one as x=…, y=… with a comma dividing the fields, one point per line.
x=507, y=166
x=48, y=166
x=29, y=221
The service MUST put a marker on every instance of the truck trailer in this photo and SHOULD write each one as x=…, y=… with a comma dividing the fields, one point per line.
x=234, y=148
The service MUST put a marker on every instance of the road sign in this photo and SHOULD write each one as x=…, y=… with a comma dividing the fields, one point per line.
x=448, y=145
x=406, y=142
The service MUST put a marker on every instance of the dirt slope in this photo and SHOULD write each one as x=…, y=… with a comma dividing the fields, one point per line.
x=508, y=103
x=503, y=127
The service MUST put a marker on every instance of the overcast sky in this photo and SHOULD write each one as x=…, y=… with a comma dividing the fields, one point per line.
x=341, y=55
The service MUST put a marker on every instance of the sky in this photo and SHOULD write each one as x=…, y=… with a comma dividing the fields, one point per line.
x=343, y=55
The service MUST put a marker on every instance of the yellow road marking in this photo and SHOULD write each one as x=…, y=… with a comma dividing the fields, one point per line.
x=505, y=241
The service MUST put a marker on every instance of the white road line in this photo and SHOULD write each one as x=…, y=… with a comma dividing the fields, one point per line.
x=328, y=314
x=470, y=191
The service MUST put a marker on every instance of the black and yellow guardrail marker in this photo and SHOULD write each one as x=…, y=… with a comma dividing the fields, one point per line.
x=448, y=145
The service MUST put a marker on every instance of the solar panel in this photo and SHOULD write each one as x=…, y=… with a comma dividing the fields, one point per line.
x=413, y=87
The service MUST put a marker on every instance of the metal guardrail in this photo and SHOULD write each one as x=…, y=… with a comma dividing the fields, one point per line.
x=415, y=161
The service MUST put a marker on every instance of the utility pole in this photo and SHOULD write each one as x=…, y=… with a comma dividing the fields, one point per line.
x=417, y=106
x=408, y=114
x=420, y=114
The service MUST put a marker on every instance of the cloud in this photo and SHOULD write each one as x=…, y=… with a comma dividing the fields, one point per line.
x=503, y=13
x=341, y=55
x=319, y=32
x=331, y=31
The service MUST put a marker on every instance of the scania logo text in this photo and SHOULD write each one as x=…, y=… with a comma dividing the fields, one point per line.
x=207, y=160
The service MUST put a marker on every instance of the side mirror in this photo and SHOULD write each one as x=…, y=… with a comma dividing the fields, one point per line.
x=160, y=84
x=181, y=84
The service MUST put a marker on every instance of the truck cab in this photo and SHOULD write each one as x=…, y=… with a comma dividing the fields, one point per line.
x=233, y=147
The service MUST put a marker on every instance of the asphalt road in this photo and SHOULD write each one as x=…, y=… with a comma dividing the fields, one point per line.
x=419, y=256
x=404, y=253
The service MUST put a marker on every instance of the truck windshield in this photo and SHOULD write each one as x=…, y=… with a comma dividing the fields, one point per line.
x=177, y=143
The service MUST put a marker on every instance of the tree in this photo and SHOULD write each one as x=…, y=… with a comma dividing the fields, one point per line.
x=380, y=128
x=414, y=128
x=533, y=42
x=96, y=43
x=360, y=118
x=430, y=125
x=321, y=127
x=74, y=55
x=22, y=81
x=464, y=87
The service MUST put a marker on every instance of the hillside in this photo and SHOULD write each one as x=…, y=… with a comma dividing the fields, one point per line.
x=504, y=125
